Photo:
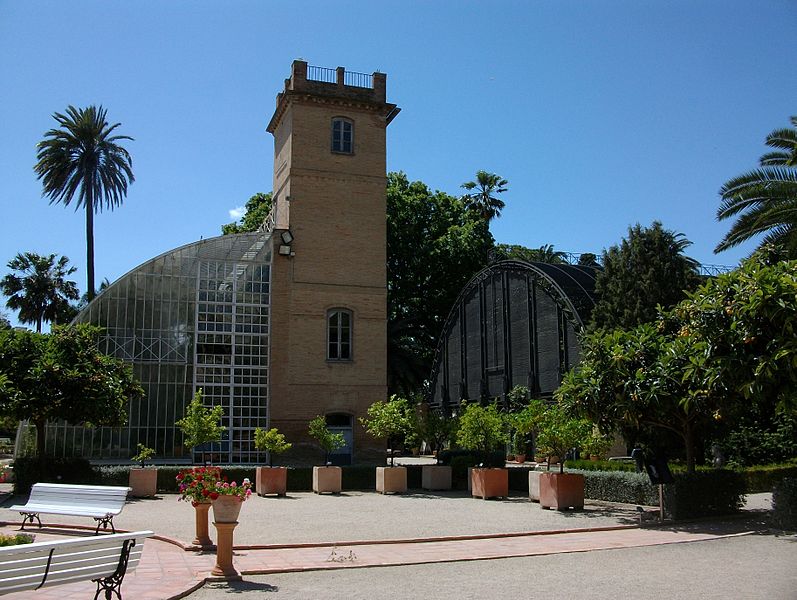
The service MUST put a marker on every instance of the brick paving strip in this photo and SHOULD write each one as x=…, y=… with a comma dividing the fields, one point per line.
x=168, y=572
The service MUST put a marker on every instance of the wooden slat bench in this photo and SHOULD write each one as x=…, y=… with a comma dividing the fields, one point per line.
x=104, y=559
x=102, y=502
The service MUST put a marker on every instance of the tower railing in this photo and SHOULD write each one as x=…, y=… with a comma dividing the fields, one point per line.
x=322, y=74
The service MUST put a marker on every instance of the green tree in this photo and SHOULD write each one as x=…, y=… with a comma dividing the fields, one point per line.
x=436, y=429
x=39, y=289
x=728, y=345
x=328, y=441
x=482, y=428
x=588, y=259
x=434, y=246
x=257, y=209
x=271, y=441
x=764, y=201
x=83, y=158
x=4, y=322
x=647, y=269
x=391, y=419
x=201, y=424
x=560, y=432
x=483, y=195
x=63, y=376
x=544, y=254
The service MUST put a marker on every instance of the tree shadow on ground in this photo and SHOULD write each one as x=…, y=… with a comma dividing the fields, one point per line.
x=240, y=587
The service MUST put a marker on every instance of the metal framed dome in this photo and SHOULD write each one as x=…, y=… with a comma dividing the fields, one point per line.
x=514, y=323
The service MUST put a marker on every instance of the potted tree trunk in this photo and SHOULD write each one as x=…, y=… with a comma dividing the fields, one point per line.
x=559, y=433
x=484, y=429
x=271, y=479
x=326, y=479
x=389, y=420
x=143, y=481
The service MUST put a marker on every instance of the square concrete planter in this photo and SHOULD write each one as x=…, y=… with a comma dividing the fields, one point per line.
x=436, y=477
x=144, y=482
x=327, y=480
x=534, y=485
x=561, y=490
x=271, y=480
x=391, y=480
x=490, y=483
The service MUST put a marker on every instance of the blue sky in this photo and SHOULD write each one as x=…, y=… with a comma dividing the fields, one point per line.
x=600, y=114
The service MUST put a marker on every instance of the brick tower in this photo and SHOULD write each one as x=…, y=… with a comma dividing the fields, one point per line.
x=328, y=303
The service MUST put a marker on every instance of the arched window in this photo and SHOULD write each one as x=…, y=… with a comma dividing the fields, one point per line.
x=339, y=334
x=342, y=135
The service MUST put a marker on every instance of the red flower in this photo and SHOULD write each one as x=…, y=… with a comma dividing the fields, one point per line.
x=214, y=495
x=205, y=493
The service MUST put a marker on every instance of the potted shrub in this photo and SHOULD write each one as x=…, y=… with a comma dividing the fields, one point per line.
x=437, y=431
x=195, y=485
x=326, y=478
x=559, y=432
x=483, y=429
x=597, y=445
x=201, y=424
x=143, y=481
x=271, y=479
x=390, y=420
x=524, y=421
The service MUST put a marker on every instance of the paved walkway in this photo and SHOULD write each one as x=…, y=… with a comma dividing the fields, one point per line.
x=308, y=532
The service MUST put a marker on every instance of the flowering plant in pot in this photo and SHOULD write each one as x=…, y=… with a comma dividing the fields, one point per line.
x=389, y=421
x=195, y=485
x=559, y=433
x=143, y=482
x=270, y=479
x=484, y=429
x=326, y=478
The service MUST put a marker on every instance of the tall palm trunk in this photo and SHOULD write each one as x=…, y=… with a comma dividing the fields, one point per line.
x=90, y=246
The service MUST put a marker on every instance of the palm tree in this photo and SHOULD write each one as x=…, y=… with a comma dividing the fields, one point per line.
x=40, y=292
x=765, y=200
x=482, y=200
x=83, y=157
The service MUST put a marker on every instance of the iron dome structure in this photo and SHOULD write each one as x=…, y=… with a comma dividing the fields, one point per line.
x=515, y=323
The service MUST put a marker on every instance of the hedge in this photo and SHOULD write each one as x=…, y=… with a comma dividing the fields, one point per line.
x=764, y=478
x=784, y=503
x=705, y=493
x=619, y=486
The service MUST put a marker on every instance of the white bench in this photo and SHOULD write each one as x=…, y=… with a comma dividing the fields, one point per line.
x=104, y=559
x=99, y=501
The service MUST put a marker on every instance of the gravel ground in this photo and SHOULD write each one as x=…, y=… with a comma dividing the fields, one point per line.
x=749, y=567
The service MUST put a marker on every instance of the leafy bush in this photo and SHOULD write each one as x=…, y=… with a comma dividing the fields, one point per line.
x=619, y=486
x=763, y=478
x=601, y=465
x=52, y=470
x=113, y=474
x=16, y=539
x=784, y=503
x=705, y=493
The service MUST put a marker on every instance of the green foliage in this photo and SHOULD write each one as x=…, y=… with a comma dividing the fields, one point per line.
x=757, y=435
x=63, y=376
x=763, y=201
x=4, y=322
x=271, y=441
x=619, y=486
x=762, y=478
x=39, y=289
x=543, y=254
x=525, y=418
x=481, y=428
x=50, y=469
x=560, y=432
x=601, y=465
x=144, y=454
x=83, y=157
x=201, y=424
x=434, y=246
x=437, y=430
x=328, y=441
x=257, y=209
x=597, y=444
x=704, y=493
x=15, y=539
x=784, y=503
x=647, y=269
x=393, y=418
x=482, y=199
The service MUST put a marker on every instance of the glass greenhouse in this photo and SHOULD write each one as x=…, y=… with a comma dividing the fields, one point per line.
x=194, y=318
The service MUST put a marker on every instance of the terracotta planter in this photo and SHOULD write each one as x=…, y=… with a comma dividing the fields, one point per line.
x=436, y=477
x=594, y=457
x=490, y=483
x=534, y=485
x=327, y=480
x=201, y=510
x=271, y=480
x=520, y=458
x=226, y=509
x=391, y=480
x=144, y=482
x=561, y=490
